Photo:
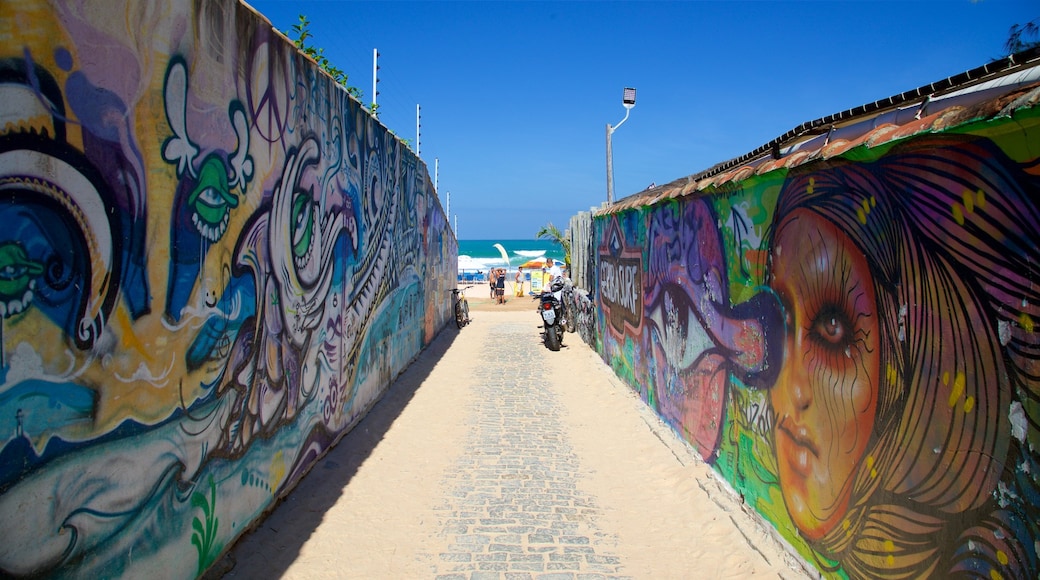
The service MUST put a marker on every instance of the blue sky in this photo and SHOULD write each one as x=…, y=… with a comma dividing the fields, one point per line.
x=516, y=96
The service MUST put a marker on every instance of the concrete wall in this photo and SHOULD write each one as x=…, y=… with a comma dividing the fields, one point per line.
x=851, y=341
x=212, y=263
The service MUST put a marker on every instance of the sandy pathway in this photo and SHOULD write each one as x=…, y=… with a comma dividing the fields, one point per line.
x=474, y=465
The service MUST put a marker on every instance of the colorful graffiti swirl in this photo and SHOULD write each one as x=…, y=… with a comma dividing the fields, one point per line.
x=203, y=270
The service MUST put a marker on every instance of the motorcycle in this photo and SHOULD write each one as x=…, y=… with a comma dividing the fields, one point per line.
x=554, y=316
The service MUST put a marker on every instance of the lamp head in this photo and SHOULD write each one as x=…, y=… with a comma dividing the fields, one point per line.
x=628, y=99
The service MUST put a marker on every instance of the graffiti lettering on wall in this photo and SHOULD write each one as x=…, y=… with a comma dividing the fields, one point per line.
x=202, y=269
x=875, y=395
x=620, y=282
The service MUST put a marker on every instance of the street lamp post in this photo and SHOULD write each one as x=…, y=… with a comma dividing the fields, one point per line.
x=628, y=100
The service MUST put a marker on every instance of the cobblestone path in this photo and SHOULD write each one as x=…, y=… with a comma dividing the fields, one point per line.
x=493, y=458
x=515, y=510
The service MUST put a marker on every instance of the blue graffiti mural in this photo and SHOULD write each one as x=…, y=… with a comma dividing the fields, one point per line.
x=287, y=237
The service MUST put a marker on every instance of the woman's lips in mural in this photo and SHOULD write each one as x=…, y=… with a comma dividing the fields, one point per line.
x=803, y=445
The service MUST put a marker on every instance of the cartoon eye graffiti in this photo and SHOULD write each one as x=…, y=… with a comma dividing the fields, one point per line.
x=212, y=200
x=682, y=337
x=303, y=227
x=16, y=278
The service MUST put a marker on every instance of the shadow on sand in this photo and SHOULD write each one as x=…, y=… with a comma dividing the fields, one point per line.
x=323, y=485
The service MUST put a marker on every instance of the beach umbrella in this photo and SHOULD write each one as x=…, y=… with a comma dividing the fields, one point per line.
x=536, y=264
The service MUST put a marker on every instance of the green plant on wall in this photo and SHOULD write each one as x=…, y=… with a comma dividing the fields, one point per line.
x=302, y=32
x=407, y=142
x=204, y=531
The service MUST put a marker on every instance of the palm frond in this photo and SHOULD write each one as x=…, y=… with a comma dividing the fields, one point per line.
x=551, y=232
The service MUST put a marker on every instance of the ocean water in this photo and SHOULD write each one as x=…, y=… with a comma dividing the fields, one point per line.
x=482, y=255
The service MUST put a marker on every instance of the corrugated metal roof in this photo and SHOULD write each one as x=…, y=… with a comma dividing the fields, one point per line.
x=996, y=89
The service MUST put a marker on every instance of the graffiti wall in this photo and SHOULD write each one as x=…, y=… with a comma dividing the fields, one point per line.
x=212, y=262
x=852, y=344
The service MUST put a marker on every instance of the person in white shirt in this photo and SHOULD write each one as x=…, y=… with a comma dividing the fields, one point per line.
x=554, y=269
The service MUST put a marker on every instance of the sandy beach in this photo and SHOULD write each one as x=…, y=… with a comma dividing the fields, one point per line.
x=426, y=486
x=478, y=296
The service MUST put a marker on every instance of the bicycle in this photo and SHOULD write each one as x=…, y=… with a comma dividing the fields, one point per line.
x=461, y=306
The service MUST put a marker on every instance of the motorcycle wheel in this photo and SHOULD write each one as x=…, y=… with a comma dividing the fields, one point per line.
x=460, y=318
x=553, y=336
x=572, y=322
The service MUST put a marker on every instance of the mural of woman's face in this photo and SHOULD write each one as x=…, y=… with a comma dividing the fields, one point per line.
x=826, y=396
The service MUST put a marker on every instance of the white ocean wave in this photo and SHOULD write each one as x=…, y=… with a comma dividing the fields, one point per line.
x=470, y=263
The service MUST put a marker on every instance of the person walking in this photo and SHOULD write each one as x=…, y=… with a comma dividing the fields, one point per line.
x=518, y=285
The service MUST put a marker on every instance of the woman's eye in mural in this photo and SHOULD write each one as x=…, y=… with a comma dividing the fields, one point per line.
x=212, y=200
x=303, y=227
x=831, y=328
